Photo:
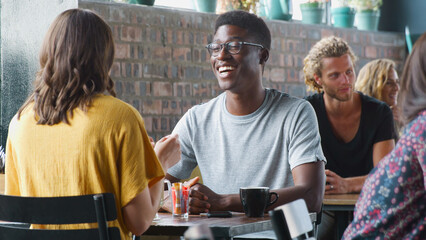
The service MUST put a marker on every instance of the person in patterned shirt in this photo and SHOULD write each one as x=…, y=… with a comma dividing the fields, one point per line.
x=392, y=204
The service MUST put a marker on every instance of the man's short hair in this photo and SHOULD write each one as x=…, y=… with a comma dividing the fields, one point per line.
x=325, y=48
x=255, y=25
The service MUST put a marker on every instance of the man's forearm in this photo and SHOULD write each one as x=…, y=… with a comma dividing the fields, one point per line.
x=354, y=184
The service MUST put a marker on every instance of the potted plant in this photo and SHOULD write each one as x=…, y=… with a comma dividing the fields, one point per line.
x=205, y=5
x=367, y=13
x=312, y=11
x=342, y=13
x=245, y=5
x=277, y=9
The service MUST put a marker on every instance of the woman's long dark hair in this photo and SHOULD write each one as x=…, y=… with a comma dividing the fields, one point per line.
x=412, y=96
x=75, y=60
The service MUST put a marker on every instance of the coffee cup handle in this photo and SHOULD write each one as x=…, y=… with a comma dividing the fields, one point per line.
x=276, y=198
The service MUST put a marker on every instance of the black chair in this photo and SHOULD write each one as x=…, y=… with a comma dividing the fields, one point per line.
x=20, y=212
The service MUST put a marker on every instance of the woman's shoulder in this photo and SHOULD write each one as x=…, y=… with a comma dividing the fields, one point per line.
x=110, y=107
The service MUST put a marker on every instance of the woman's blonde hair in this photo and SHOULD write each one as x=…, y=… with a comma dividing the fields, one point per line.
x=373, y=77
x=325, y=48
x=75, y=60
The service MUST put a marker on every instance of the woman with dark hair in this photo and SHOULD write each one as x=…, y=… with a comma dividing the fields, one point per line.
x=72, y=138
x=392, y=204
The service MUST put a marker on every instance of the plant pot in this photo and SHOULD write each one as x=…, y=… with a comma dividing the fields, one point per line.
x=205, y=5
x=312, y=13
x=343, y=17
x=142, y=2
x=367, y=20
x=278, y=9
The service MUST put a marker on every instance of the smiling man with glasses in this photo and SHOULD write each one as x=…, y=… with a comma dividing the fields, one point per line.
x=248, y=135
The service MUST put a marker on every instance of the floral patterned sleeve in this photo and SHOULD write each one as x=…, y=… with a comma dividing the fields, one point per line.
x=392, y=204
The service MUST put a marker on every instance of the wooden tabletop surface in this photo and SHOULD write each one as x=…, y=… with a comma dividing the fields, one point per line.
x=238, y=224
x=341, y=199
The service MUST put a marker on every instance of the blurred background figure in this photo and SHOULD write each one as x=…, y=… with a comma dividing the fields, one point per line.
x=379, y=79
x=392, y=204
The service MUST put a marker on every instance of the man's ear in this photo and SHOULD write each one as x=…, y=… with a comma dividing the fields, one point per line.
x=264, y=56
x=317, y=79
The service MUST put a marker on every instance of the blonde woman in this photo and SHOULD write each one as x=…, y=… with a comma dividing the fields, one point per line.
x=379, y=79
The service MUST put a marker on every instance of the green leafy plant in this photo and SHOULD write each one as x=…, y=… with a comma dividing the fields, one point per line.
x=313, y=4
x=246, y=5
x=366, y=5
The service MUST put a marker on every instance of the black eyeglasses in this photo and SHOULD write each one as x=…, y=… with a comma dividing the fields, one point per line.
x=231, y=47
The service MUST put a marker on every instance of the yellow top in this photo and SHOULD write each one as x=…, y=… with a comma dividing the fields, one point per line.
x=104, y=150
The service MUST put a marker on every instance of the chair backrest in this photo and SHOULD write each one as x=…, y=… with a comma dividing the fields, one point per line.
x=22, y=211
x=292, y=221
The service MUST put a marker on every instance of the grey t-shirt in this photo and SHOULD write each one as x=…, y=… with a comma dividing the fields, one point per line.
x=258, y=149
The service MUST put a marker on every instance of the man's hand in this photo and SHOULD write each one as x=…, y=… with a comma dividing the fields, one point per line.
x=202, y=199
x=335, y=183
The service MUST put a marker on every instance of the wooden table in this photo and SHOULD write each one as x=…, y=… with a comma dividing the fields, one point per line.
x=343, y=206
x=1, y=183
x=226, y=228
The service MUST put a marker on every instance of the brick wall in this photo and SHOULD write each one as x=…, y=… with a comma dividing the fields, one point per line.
x=162, y=68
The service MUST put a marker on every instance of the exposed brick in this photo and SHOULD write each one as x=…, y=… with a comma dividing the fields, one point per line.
x=152, y=107
x=118, y=88
x=164, y=124
x=193, y=72
x=208, y=74
x=173, y=121
x=136, y=103
x=215, y=89
x=142, y=88
x=148, y=123
x=163, y=84
x=155, y=71
x=162, y=53
x=201, y=89
x=116, y=31
x=371, y=52
x=205, y=56
x=297, y=90
x=136, y=17
x=122, y=51
x=326, y=33
x=292, y=75
x=153, y=35
x=171, y=107
x=160, y=124
x=162, y=89
x=187, y=104
x=118, y=14
x=131, y=33
x=129, y=88
x=169, y=36
x=182, y=89
x=140, y=52
x=277, y=75
x=181, y=54
x=115, y=69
